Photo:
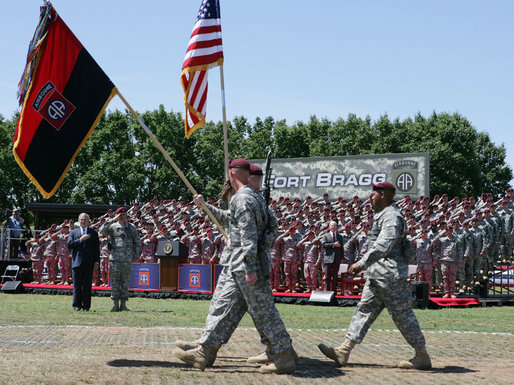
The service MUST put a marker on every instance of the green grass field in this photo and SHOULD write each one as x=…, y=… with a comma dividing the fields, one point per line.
x=30, y=309
x=43, y=341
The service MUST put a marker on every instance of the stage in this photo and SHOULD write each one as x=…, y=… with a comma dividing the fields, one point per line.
x=280, y=297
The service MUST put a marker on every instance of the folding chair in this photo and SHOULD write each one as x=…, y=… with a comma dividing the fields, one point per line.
x=10, y=273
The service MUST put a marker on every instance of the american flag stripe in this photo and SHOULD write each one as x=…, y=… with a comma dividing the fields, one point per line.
x=204, y=51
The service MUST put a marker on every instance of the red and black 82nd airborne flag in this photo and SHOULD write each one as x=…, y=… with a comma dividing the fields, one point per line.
x=63, y=93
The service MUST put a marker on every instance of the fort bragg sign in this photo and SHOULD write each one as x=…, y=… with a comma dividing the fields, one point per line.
x=347, y=176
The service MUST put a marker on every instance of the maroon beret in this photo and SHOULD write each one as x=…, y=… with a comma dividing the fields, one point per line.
x=239, y=163
x=255, y=170
x=121, y=209
x=383, y=186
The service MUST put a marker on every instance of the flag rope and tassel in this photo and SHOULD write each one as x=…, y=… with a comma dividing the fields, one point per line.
x=171, y=162
x=45, y=18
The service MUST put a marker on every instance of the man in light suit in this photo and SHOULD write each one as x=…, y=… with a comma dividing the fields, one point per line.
x=85, y=253
x=332, y=243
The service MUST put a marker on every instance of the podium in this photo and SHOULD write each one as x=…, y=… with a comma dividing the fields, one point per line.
x=169, y=252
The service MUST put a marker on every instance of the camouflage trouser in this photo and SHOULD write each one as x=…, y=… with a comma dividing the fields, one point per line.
x=437, y=276
x=291, y=272
x=65, y=267
x=449, y=270
x=233, y=299
x=120, y=273
x=311, y=275
x=397, y=298
x=96, y=277
x=469, y=268
x=506, y=246
x=51, y=267
x=37, y=269
x=220, y=308
x=480, y=265
x=104, y=269
x=425, y=272
x=275, y=274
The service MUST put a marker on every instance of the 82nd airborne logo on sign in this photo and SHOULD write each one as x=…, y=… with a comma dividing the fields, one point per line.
x=144, y=278
x=405, y=176
x=194, y=280
x=53, y=106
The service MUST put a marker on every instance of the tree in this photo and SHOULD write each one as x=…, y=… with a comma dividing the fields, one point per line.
x=120, y=164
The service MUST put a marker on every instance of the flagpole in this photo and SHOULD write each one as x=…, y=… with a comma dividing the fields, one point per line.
x=224, y=112
x=172, y=163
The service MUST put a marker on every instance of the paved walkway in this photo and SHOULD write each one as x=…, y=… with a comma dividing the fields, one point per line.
x=129, y=355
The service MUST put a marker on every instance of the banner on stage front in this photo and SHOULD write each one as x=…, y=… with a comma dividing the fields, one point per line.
x=349, y=176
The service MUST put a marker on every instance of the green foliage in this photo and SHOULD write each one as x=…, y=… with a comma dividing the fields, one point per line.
x=120, y=163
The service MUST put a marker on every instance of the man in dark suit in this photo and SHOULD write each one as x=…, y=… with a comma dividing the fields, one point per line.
x=85, y=253
x=332, y=243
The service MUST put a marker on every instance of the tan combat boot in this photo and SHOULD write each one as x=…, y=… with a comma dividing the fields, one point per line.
x=200, y=357
x=124, y=306
x=262, y=358
x=283, y=362
x=339, y=354
x=116, y=306
x=186, y=345
x=189, y=345
x=420, y=361
x=268, y=356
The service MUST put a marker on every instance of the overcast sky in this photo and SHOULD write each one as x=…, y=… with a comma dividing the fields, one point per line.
x=291, y=59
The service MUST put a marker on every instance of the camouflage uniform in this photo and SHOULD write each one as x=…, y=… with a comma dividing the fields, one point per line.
x=507, y=229
x=125, y=248
x=468, y=248
x=312, y=257
x=148, y=248
x=38, y=259
x=208, y=248
x=63, y=253
x=496, y=223
x=450, y=257
x=424, y=259
x=488, y=239
x=356, y=247
x=50, y=257
x=104, y=260
x=246, y=254
x=195, y=249
x=346, y=238
x=276, y=257
x=290, y=257
x=386, y=283
x=479, y=248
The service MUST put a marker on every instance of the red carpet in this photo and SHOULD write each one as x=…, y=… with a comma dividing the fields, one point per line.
x=455, y=301
x=437, y=300
x=70, y=287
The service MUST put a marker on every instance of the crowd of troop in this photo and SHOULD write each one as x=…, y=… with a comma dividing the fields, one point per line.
x=457, y=241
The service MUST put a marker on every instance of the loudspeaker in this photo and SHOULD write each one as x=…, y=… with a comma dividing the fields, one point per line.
x=420, y=291
x=13, y=287
x=166, y=248
x=322, y=297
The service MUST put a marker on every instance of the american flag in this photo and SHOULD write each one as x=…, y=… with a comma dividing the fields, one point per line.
x=203, y=52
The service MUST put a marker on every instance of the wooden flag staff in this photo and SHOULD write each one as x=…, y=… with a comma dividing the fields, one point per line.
x=172, y=163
